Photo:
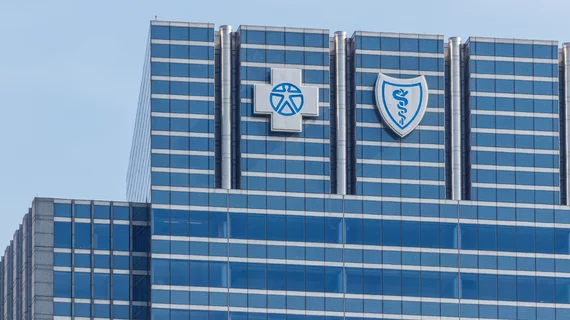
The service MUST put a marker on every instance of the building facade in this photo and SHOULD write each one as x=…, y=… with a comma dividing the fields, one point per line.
x=77, y=259
x=289, y=173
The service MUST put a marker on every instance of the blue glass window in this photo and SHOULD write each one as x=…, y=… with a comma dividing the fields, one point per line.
x=62, y=284
x=121, y=237
x=62, y=209
x=120, y=213
x=82, y=211
x=101, y=212
x=101, y=236
x=101, y=286
x=82, y=236
x=82, y=260
x=121, y=262
x=62, y=259
x=121, y=287
x=82, y=285
x=62, y=234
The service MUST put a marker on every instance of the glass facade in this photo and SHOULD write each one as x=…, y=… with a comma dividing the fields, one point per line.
x=80, y=259
x=276, y=162
x=182, y=110
x=283, y=242
x=514, y=120
x=387, y=165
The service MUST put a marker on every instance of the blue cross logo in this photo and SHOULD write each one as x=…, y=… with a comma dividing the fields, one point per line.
x=286, y=99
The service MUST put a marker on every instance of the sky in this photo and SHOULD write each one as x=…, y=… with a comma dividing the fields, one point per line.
x=70, y=74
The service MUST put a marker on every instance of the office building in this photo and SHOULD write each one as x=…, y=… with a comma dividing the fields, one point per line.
x=289, y=173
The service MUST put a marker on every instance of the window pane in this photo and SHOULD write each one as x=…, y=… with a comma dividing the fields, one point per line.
x=82, y=236
x=62, y=209
x=82, y=211
x=102, y=212
x=101, y=236
x=121, y=287
x=62, y=284
x=121, y=237
x=62, y=234
x=102, y=286
x=82, y=285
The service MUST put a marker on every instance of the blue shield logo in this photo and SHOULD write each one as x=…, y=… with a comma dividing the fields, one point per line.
x=286, y=99
x=401, y=102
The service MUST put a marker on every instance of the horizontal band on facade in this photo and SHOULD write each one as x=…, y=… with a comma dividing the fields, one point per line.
x=181, y=97
x=399, y=72
x=513, y=186
x=284, y=139
x=282, y=47
x=183, y=115
x=182, y=79
x=513, y=41
x=374, y=107
x=322, y=104
x=511, y=77
x=415, y=218
x=297, y=312
x=516, y=132
x=306, y=84
x=179, y=170
x=513, y=95
x=324, y=197
x=364, y=247
x=285, y=65
x=99, y=270
x=401, y=181
x=514, y=168
x=183, y=152
x=284, y=29
x=101, y=221
x=372, y=88
x=381, y=125
x=102, y=252
x=266, y=119
x=357, y=296
x=284, y=157
x=182, y=24
x=399, y=144
x=398, y=35
x=512, y=59
x=516, y=114
x=181, y=42
x=182, y=134
x=284, y=175
x=399, y=53
x=97, y=202
x=96, y=301
x=401, y=163
x=359, y=265
x=515, y=150
x=183, y=61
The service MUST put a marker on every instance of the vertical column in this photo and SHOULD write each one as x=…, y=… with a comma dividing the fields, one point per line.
x=42, y=258
x=566, y=65
x=225, y=43
x=340, y=44
x=455, y=91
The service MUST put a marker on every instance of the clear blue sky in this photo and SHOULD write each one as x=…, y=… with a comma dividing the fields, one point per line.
x=70, y=74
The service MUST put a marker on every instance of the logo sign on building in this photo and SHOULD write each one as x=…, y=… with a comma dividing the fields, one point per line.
x=286, y=100
x=401, y=102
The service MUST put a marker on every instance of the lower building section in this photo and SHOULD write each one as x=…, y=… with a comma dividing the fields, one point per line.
x=246, y=255
x=80, y=259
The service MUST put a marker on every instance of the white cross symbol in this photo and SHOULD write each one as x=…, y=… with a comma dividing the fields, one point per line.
x=293, y=105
